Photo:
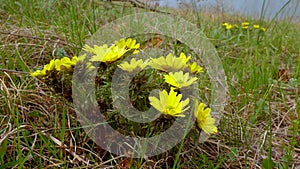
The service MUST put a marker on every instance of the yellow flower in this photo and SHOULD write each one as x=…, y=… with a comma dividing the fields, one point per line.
x=225, y=24
x=50, y=66
x=195, y=68
x=179, y=80
x=256, y=26
x=134, y=65
x=169, y=63
x=63, y=63
x=57, y=64
x=184, y=58
x=245, y=27
x=263, y=29
x=47, y=68
x=81, y=58
x=114, y=54
x=170, y=104
x=244, y=24
x=128, y=43
x=38, y=73
x=105, y=54
x=204, y=119
x=76, y=59
x=228, y=27
x=98, y=51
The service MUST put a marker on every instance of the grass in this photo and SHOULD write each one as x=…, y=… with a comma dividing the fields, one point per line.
x=38, y=128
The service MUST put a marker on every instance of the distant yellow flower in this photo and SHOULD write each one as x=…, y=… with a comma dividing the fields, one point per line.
x=225, y=24
x=263, y=29
x=170, y=104
x=256, y=26
x=179, y=80
x=134, y=65
x=195, y=68
x=204, y=119
x=244, y=24
x=245, y=27
x=228, y=27
x=169, y=63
